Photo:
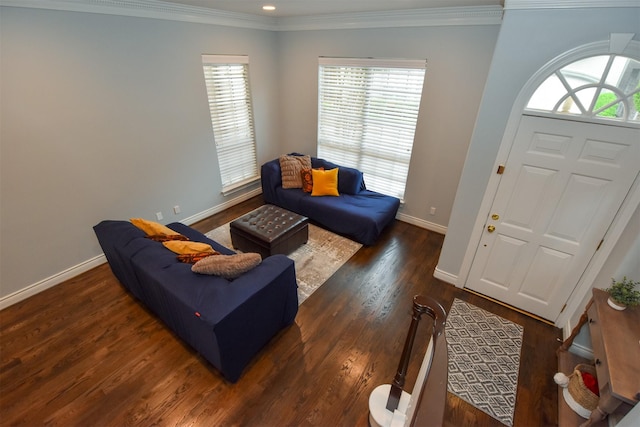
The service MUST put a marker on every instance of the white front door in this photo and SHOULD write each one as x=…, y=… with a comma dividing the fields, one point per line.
x=561, y=188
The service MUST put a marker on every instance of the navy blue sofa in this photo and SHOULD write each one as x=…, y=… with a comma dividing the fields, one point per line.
x=357, y=213
x=227, y=321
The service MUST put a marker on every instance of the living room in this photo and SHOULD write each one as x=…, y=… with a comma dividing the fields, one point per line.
x=104, y=115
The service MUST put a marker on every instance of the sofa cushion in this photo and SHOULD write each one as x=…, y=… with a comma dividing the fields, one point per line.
x=294, y=199
x=325, y=182
x=227, y=266
x=362, y=216
x=290, y=168
x=350, y=181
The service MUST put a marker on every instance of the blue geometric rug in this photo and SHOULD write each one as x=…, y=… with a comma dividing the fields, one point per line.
x=484, y=359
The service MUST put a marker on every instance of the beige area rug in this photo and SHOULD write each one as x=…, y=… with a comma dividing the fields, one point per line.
x=323, y=254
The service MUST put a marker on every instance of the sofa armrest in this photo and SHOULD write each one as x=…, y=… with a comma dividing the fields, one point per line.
x=243, y=332
x=271, y=179
x=227, y=321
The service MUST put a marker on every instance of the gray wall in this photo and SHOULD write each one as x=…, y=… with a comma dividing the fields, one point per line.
x=106, y=117
x=528, y=39
x=458, y=61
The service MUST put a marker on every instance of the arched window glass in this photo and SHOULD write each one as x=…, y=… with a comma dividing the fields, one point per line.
x=601, y=87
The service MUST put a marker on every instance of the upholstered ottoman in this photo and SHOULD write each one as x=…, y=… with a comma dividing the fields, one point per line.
x=269, y=230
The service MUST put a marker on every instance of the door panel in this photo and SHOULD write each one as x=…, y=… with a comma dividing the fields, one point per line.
x=534, y=184
x=569, y=221
x=563, y=183
x=545, y=273
x=506, y=252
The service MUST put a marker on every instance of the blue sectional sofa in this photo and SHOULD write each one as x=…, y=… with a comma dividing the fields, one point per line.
x=356, y=213
x=227, y=321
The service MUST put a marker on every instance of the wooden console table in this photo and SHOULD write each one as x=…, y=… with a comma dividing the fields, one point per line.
x=615, y=338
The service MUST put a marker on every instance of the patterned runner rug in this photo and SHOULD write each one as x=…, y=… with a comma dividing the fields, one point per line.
x=323, y=254
x=484, y=359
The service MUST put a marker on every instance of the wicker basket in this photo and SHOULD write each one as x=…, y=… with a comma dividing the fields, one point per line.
x=580, y=393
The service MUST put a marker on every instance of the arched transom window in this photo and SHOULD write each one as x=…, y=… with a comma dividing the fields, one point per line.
x=603, y=87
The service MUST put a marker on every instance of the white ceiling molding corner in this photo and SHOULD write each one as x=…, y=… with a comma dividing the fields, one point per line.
x=155, y=9
x=567, y=4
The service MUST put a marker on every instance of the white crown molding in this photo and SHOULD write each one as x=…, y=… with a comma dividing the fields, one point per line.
x=154, y=9
x=157, y=9
x=481, y=15
x=567, y=4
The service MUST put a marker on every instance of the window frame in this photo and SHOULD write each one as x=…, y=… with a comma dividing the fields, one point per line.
x=358, y=121
x=233, y=127
x=576, y=94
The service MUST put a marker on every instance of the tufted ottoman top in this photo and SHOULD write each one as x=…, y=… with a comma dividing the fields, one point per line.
x=269, y=222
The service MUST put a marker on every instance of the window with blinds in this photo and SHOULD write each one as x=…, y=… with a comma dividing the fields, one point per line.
x=227, y=82
x=367, y=116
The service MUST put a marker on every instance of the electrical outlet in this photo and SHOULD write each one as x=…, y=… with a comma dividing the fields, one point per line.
x=159, y=216
x=432, y=211
x=176, y=209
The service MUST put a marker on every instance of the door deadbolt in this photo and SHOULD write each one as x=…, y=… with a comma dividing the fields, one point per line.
x=495, y=217
x=491, y=229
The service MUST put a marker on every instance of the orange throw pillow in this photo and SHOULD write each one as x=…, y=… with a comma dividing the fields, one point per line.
x=325, y=183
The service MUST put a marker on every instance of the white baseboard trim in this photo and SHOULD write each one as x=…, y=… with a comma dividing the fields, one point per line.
x=445, y=277
x=219, y=208
x=431, y=226
x=87, y=265
x=51, y=281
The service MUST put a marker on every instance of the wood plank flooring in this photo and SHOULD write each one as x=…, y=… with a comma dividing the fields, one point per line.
x=86, y=353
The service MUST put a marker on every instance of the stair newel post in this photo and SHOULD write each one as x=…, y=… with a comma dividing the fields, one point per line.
x=419, y=308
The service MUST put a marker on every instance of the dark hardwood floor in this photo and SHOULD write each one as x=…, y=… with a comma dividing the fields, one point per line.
x=85, y=353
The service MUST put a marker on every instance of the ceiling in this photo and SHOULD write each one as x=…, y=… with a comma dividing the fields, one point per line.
x=286, y=8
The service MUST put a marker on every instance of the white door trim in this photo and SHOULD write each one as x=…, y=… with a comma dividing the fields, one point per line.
x=631, y=203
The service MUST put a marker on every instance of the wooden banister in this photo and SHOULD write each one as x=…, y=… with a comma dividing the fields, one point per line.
x=436, y=371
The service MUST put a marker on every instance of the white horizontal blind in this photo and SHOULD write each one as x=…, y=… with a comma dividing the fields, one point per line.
x=367, y=117
x=227, y=82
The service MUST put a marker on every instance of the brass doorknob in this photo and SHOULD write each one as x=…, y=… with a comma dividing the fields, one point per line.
x=491, y=229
